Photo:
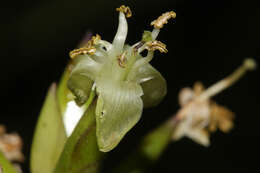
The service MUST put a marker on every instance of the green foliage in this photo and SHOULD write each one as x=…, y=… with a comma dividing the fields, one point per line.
x=49, y=137
x=63, y=91
x=6, y=166
x=81, y=152
x=148, y=151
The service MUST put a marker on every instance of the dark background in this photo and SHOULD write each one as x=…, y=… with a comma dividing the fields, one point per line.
x=206, y=42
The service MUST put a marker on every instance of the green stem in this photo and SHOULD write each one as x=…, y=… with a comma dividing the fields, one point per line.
x=249, y=64
x=149, y=150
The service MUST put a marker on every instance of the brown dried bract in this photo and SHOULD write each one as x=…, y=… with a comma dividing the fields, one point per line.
x=88, y=48
x=122, y=59
x=156, y=45
x=126, y=10
x=163, y=19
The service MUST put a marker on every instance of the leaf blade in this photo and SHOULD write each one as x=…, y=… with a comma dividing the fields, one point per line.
x=81, y=152
x=5, y=165
x=49, y=136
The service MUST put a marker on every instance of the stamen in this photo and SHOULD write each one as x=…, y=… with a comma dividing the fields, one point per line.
x=144, y=60
x=156, y=45
x=122, y=59
x=126, y=10
x=147, y=36
x=88, y=48
x=155, y=33
x=106, y=44
x=82, y=51
x=95, y=39
x=163, y=19
x=249, y=64
x=120, y=37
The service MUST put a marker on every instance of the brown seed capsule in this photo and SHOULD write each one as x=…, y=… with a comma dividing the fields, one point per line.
x=163, y=19
x=126, y=10
x=156, y=45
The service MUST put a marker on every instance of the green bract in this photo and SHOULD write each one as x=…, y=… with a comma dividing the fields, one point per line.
x=125, y=82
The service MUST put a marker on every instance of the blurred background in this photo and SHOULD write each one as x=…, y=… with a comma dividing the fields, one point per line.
x=206, y=42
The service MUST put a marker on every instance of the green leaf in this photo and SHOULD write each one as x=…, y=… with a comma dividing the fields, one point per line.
x=5, y=165
x=49, y=137
x=81, y=152
x=155, y=143
x=119, y=108
x=63, y=91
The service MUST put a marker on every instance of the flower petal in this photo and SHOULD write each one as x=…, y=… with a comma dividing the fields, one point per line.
x=153, y=84
x=81, y=78
x=119, y=107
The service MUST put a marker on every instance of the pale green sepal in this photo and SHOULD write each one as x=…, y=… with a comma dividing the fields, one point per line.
x=119, y=107
x=49, y=137
x=5, y=165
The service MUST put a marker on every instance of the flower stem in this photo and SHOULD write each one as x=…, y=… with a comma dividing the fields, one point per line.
x=249, y=64
x=149, y=150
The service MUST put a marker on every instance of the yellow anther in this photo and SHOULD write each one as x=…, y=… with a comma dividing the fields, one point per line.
x=126, y=10
x=95, y=39
x=88, y=48
x=156, y=45
x=82, y=51
x=122, y=59
x=163, y=19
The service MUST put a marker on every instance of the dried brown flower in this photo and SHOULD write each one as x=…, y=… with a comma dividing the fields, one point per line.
x=199, y=115
x=11, y=145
